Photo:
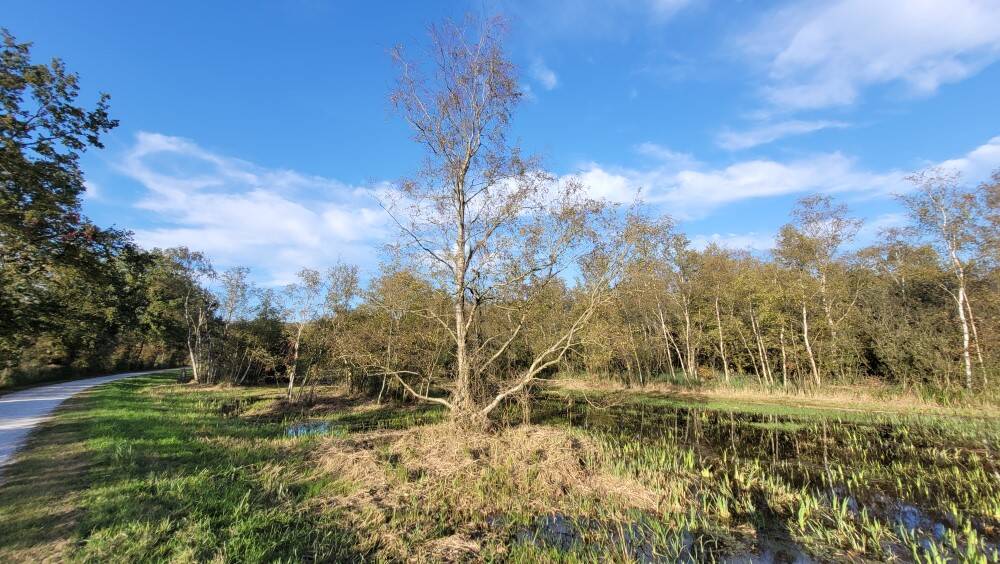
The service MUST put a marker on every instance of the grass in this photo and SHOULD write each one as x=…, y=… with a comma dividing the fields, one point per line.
x=744, y=395
x=149, y=470
x=146, y=470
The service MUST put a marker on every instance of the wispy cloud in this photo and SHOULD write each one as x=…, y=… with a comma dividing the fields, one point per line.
x=241, y=213
x=666, y=156
x=769, y=132
x=694, y=189
x=751, y=241
x=824, y=54
x=279, y=220
x=544, y=75
x=666, y=9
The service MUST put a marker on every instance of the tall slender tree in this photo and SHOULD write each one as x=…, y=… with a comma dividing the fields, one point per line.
x=483, y=221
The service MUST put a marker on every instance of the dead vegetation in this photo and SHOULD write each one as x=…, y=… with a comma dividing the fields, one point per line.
x=872, y=397
x=420, y=481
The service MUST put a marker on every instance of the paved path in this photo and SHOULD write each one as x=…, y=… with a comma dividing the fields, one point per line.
x=21, y=411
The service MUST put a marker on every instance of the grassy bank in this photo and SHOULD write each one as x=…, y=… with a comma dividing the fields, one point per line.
x=147, y=469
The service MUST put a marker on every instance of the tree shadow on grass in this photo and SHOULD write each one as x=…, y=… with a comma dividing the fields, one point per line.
x=39, y=493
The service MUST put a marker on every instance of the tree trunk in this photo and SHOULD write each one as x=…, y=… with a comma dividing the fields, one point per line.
x=784, y=358
x=809, y=351
x=975, y=340
x=722, y=342
x=194, y=363
x=670, y=340
x=190, y=337
x=753, y=357
x=689, y=348
x=761, y=349
x=966, y=357
x=463, y=402
x=295, y=360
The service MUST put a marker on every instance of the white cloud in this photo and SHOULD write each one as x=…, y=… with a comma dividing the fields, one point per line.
x=694, y=192
x=695, y=189
x=279, y=220
x=979, y=163
x=666, y=156
x=544, y=75
x=751, y=241
x=240, y=213
x=823, y=54
x=766, y=133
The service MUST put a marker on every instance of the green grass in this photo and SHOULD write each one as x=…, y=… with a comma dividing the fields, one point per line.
x=146, y=469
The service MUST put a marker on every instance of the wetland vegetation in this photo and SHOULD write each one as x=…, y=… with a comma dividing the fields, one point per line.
x=149, y=469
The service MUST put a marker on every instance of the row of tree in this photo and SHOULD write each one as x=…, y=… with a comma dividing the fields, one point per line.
x=919, y=308
x=503, y=275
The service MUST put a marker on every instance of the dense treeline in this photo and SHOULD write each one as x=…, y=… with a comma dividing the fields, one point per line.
x=817, y=310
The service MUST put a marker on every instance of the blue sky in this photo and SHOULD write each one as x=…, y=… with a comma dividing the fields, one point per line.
x=255, y=130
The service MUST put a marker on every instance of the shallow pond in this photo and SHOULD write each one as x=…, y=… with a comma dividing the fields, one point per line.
x=307, y=428
x=922, y=478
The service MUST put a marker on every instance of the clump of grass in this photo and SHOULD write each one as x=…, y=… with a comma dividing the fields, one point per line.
x=437, y=485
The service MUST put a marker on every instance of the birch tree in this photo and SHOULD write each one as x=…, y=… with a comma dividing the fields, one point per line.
x=304, y=305
x=485, y=223
x=947, y=215
x=811, y=247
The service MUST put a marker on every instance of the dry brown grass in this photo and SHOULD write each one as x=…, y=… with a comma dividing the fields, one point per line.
x=871, y=397
x=410, y=478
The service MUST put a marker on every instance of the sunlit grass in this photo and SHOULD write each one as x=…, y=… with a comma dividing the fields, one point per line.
x=146, y=469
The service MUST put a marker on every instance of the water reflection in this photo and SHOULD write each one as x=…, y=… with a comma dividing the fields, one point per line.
x=893, y=469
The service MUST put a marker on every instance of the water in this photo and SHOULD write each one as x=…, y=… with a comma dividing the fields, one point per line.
x=872, y=466
x=798, y=448
x=307, y=428
x=638, y=539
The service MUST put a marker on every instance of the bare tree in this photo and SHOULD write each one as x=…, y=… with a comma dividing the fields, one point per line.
x=485, y=223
